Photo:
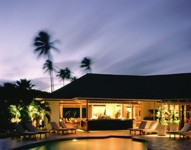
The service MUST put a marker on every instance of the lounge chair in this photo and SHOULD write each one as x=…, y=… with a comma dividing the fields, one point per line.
x=183, y=132
x=56, y=129
x=139, y=129
x=152, y=128
x=21, y=131
x=31, y=128
x=63, y=125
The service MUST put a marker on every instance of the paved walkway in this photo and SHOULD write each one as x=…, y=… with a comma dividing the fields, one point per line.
x=154, y=142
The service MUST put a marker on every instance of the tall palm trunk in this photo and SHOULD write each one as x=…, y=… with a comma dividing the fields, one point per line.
x=43, y=46
x=51, y=81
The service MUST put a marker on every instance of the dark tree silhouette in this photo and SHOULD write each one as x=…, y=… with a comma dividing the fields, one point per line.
x=9, y=86
x=24, y=84
x=48, y=67
x=73, y=79
x=64, y=74
x=44, y=45
x=10, y=94
x=86, y=64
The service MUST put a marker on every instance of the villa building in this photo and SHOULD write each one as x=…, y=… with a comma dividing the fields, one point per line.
x=127, y=99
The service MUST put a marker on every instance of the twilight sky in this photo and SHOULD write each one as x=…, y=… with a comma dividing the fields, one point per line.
x=131, y=37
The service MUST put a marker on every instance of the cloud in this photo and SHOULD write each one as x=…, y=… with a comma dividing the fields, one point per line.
x=41, y=83
x=160, y=57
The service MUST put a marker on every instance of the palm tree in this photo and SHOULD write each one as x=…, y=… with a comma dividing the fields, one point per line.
x=86, y=64
x=73, y=78
x=38, y=110
x=24, y=84
x=44, y=109
x=44, y=45
x=48, y=67
x=64, y=74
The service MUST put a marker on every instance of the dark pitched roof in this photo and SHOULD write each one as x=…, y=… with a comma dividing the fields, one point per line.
x=175, y=86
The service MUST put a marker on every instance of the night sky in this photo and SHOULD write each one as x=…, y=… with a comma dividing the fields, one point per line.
x=131, y=37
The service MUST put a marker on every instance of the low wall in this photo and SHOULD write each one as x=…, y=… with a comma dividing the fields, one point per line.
x=109, y=124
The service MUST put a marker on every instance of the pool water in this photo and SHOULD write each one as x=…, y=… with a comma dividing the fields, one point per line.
x=94, y=144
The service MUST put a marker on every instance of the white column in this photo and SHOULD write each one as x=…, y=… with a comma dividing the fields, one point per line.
x=54, y=116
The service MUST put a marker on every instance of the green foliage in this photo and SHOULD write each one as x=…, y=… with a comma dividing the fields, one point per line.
x=14, y=101
x=24, y=114
x=161, y=116
x=15, y=112
x=173, y=118
x=43, y=109
x=36, y=111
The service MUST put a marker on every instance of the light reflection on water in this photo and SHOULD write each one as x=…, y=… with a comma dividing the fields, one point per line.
x=94, y=144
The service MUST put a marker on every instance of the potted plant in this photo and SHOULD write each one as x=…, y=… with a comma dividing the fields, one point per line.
x=162, y=127
x=174, y=122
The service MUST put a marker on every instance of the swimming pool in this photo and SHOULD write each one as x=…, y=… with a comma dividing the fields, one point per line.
x=112, y=143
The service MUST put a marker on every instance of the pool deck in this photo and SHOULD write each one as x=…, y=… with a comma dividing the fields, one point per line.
x=154, y=142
